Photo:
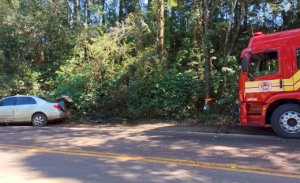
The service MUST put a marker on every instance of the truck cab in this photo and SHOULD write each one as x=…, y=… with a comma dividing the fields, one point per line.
x=269, y=85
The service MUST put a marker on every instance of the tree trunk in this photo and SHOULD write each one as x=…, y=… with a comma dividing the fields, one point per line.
x=160, y=27
x=67, y=14
x=149, y=6
x=206, y=47
x=246, y=16
x=101, y=12
x=88, y=7
x=236, y=30
x=11, y=6
x=229, y=27
x=209, y=7
x=298, y=13
x=102, y=2
x=232, y=38
x=42, y=53
x=121, y=10
x=79, y=14
x=75, y=17
x=198, y=23
x=136, y=5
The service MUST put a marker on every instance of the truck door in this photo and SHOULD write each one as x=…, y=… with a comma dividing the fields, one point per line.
x=265, y=76
x=296, y=77
x=6, y=109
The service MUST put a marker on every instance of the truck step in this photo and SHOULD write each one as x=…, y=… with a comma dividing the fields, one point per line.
x=254, y=112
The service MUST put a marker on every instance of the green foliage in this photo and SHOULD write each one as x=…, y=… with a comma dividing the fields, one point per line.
x=111, y=77
x=226, y=78
x=165, y=94
x=109, y=65
x=34, y=40
x=97, y=62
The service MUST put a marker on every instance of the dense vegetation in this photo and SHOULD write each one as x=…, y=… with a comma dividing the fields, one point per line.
x=133, y=58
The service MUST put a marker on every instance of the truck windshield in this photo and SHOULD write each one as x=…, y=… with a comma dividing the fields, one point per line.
x=262, y=64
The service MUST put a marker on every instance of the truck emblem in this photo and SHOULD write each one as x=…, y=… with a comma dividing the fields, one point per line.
x=252, y=99
x=265, y=86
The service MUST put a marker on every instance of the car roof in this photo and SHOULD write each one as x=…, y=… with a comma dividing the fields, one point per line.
x=20, y=96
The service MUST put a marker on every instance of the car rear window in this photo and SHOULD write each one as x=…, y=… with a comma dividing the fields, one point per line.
x=25, y=101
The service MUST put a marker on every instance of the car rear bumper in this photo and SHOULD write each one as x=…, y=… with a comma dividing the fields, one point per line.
x=58, y=115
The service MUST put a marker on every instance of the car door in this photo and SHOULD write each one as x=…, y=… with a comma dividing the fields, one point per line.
x=24, y=109
x=6, y=109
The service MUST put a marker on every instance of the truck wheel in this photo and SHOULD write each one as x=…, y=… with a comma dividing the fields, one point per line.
x=285, y=121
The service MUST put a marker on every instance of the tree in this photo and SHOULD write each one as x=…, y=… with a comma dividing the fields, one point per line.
x=209, y=7
x=121, y=10
x=75, y=16
x=108, y=49
x=160, y=28
x=88, y=17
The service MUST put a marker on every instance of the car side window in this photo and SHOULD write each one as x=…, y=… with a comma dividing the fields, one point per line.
x=25, y=101
x=9, y=101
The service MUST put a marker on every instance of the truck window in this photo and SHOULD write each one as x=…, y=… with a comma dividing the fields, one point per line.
x=263, y=64
x=298, y=58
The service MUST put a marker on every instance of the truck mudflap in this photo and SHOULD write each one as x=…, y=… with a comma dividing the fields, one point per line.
x=243, y=114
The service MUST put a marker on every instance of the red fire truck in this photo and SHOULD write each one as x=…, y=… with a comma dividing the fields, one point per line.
x=269, y=86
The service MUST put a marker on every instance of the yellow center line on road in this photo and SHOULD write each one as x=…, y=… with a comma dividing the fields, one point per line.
x=166, y=161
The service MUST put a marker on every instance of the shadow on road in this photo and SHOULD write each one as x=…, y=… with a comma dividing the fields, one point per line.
x=151, y=141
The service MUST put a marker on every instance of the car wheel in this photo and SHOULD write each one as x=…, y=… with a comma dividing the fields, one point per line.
x=285, y=121
x=39, y=120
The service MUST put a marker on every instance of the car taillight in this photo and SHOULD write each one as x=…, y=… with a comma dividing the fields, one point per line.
x=57, y=106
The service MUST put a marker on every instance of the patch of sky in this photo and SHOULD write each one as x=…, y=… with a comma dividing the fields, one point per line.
x=265, y=13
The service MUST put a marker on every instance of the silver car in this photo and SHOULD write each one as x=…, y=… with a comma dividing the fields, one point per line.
x=32, y=109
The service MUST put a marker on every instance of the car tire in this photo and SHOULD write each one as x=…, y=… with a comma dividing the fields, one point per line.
x=39, y=120
x=285, y=121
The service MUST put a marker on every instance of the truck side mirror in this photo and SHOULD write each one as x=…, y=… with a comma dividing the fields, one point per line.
x=245, y=64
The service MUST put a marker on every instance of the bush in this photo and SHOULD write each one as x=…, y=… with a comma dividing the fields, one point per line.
x=110, y=77
x=158, y=93
x=165, y=94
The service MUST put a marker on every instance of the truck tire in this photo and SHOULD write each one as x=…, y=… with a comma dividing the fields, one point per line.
x=285, y=121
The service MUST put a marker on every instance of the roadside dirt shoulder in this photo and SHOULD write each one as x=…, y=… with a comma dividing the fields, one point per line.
x=171, y=126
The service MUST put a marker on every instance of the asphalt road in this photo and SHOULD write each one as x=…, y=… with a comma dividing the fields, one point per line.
x=142, y=154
